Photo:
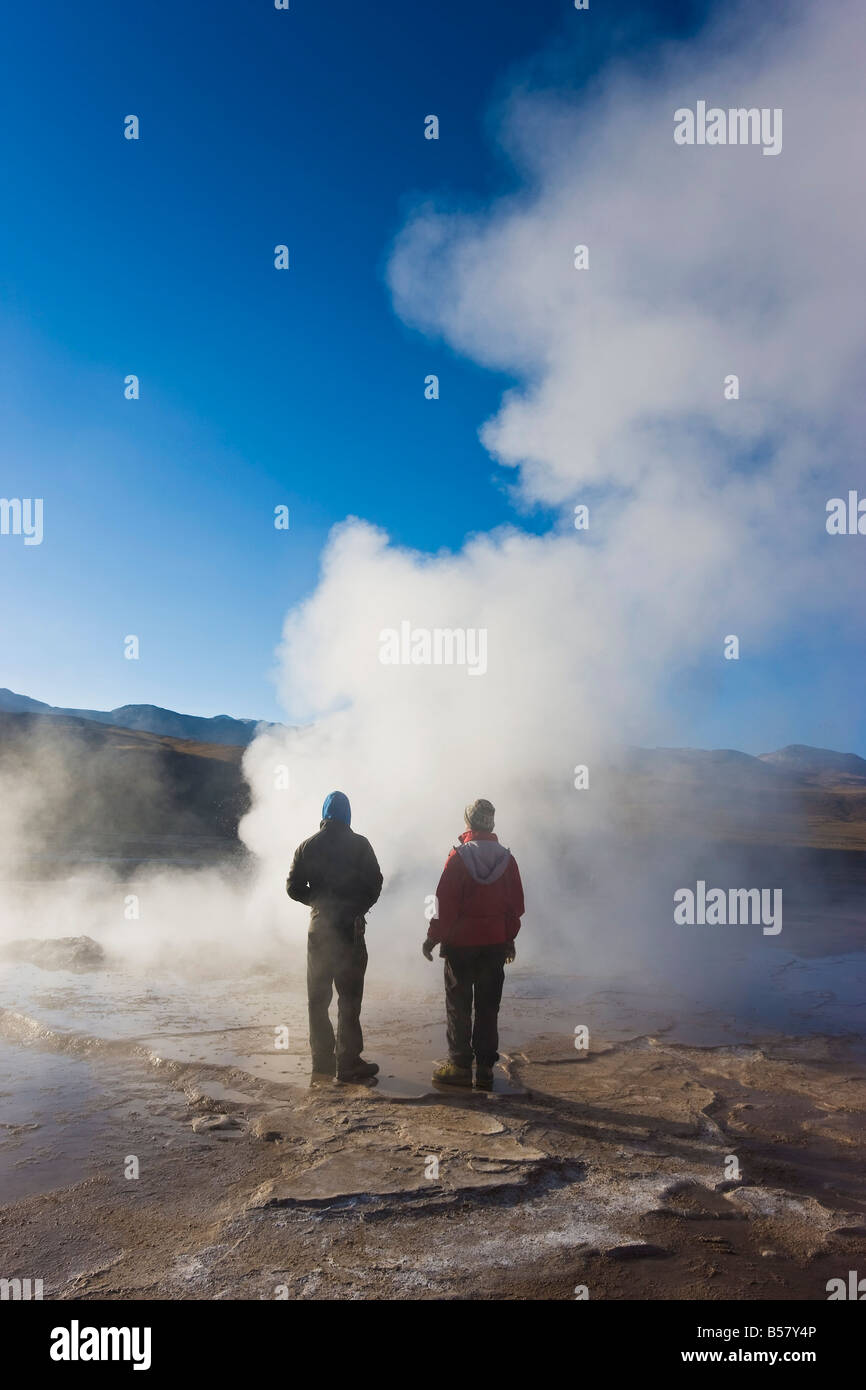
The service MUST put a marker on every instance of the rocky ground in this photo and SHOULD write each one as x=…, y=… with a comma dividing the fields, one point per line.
x=642, y=1169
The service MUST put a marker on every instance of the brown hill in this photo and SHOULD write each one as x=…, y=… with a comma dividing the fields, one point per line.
x=73, y=789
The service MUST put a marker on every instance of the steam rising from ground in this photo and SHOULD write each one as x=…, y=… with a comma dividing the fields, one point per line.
x=707, y=515
x=73, y=801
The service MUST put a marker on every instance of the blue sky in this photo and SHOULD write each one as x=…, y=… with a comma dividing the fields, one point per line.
x=257, y=388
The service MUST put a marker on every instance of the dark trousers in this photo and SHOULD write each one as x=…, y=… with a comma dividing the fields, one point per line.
x=335, y=958
x=473, y=975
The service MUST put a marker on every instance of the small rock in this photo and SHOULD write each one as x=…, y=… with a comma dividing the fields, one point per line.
x=206, y=1124
x=57, y=952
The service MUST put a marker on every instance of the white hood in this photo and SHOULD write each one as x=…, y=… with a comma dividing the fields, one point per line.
x=486, y=860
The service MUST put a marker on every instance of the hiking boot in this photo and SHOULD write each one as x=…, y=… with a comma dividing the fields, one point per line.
x=358, y=1071
x=483, y=1078
x=324, y=1067
x=449, y=1074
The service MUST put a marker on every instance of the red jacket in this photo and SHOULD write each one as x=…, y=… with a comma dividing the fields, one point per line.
x=480, y=896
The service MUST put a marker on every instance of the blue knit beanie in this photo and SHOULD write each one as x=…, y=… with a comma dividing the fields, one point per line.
x=337, y=807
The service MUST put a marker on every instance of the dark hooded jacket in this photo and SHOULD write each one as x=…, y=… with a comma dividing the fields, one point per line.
x=480, y=895
x=336, y=874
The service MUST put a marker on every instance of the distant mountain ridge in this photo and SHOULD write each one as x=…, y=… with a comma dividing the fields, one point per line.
x=799, y=757
x=150, y=719
x=797, y=760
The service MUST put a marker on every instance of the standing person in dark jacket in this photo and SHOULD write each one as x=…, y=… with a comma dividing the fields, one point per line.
x=480, y=904
x=336, y=874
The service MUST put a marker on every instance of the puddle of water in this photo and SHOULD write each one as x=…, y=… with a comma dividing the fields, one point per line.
x=45, y=1140
x=411, y=1079
x=395, y=1087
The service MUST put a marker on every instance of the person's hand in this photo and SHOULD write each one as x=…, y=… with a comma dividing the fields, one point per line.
x=510, y=953
x=427, y=949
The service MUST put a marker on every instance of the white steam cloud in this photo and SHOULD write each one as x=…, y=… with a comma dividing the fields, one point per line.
x=706, y=514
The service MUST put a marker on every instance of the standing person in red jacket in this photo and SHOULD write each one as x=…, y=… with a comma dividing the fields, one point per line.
x=480, y=904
